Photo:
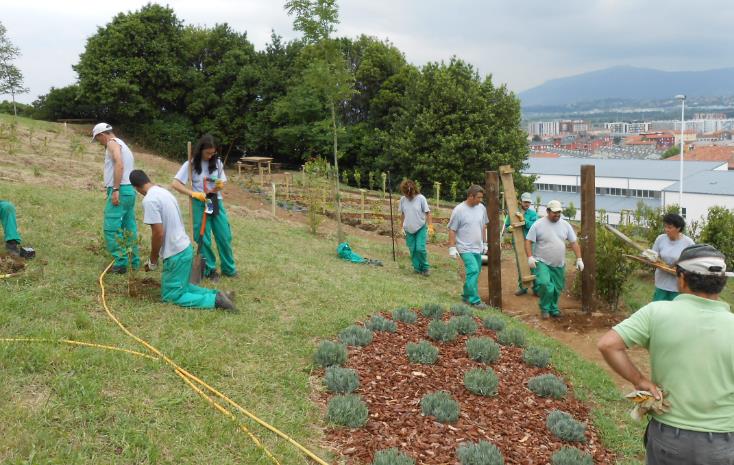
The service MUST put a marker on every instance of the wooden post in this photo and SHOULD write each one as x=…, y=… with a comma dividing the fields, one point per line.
x=262, y=175
x=517, y=221
x=437, y=186
x=287, y=186
x=494, y=268
x=361, y=195
x=588, y=236
x=274, y=200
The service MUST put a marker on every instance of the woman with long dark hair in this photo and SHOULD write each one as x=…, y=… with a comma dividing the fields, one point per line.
x=417, y=224
x=208, y=180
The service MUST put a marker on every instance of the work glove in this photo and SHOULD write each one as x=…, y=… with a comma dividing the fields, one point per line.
x=485, y=248
x=510, y=228
x=200, y=196
x=579, y=264
x=431, y=230
x=150, y=266
x=645, y=402
x=532, y=262
x=219, y=184
x=453, y=253
x=651, y=255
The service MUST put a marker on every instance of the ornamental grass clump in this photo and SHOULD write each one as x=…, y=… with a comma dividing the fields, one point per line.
x=434, y=311
x=511, y=337
x=479, y=453
x=536, y=356
x=355, y=336
x=341, y=380
x=571, y=456
x=464, y=324
x=392, y=456
x=380, y=323
x=347, y=410
x=442, y=332
x=482, y=349
x=461, y=310
x=481, y=382
x=405, y=315
x=422, y=352
x=494, y=323
x=548, y=386
x=330, y=353
x=564, y=426
x=440, y=405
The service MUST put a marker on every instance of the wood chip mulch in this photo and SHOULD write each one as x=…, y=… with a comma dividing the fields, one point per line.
x=514, y=420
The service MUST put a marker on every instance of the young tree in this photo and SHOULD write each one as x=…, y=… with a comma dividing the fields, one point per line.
x=11, y=79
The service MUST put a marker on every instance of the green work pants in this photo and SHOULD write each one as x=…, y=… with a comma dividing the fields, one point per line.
x=175, y=286
x=662, y=294
x=549, y=282
x=416, y=243
x=219, y=225
x=472, y=266
x=7, y=218
x=120, y=229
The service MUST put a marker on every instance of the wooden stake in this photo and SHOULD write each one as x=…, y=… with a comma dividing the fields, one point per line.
x=274, y=201
x=494, y=267
x=437, y=186
x=517, y=221
x=262, y=177
x=588, y=236
x=361, y=194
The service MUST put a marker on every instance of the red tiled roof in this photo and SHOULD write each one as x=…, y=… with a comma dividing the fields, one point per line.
x=544, y=155
x=709, y=153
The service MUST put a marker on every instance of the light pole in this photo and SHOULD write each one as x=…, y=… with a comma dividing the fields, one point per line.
x=682, y=99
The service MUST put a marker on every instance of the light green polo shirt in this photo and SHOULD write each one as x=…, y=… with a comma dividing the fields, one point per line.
x=691, y=345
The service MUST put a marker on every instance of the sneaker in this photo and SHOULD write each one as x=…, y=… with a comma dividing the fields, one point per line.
x=213, y=276
x=222, y=301
x=521, y=291
x=426, y=272
x=544, y=315
x=480, y=306
x=118, y=270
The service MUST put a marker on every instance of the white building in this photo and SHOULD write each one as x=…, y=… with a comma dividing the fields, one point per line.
x=624, y=128
x=702, y=191
x=544, y=128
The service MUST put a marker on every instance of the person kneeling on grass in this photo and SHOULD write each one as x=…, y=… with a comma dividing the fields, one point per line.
x=170, y=243
x=10, y=230
x=416, y=224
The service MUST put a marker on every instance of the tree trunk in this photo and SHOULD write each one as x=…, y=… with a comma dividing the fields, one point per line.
x=339, y=232
x=12, y=94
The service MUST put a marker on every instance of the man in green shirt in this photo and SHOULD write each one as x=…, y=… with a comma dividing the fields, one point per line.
x=530, y=217
x=692, y=360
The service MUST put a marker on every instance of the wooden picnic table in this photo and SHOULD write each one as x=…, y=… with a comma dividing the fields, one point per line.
x=262, y=163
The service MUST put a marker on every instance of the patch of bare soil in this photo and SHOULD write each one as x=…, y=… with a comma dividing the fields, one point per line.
x=10, y=264
x=514, y=420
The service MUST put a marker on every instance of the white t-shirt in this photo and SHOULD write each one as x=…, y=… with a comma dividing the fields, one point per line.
x=549, y=238
x=160, y=207
x=467, y=222
x=669, y=252
x=128, y=164
x=414, y=210
x=198, y=184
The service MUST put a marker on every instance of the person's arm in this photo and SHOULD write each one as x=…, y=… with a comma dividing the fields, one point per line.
x=614, y=351
x=452, y=238
x=156, y=242
x=180, y=187
x=528, y=248
x=576, y=249
x=116, y=155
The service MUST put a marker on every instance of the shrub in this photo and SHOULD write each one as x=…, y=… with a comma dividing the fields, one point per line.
x=392, y=457
x=434, y=311
x=464, y=324
x=565, y=427
x=482, y=349
x=461, y=310
x=479, y=453
x=494, y=323
x=511, y=337
x=481, y=382
x=341, y=380
x=719, y=232
x=330, y=353
x=347, y=410
x=442, y=332
x=440, y=405
x=380, y=323
x=355, y=336
x=612, y=269
x=571, y=456
x=548, y=386
x=536, y=357
x=404, y=314
x=422, y=352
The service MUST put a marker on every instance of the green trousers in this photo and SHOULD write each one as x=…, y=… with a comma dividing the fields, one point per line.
x=120, y=229
x=662, y=294
x=549, y=282
x=219, y=225
x=7, y=218
x=175, y=286
x=472, y=266
x=416, y=243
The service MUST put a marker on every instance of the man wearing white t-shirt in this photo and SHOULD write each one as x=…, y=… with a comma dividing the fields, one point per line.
x=170, y=243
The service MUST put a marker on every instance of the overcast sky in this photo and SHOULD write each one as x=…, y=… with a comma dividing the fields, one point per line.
x=520, y=42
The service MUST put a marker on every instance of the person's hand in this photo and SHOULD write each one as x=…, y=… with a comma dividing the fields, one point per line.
x=646, y=385
x=485, y=248
x=200, y=196
x=579, y=264
x=219, y=184
x=651, y=255
x=150, y=266
x=532, y=263
x=116, y=198
x=431, y=229
x=510, y=228
x=453, y=253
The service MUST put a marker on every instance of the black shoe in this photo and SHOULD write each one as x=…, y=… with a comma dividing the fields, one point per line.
x=118, y=270
x=222, y=301
x=521, y=292
x=214, y=276
x=12, y=248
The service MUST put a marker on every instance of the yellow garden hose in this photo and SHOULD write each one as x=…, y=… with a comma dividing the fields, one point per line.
x=77, y=343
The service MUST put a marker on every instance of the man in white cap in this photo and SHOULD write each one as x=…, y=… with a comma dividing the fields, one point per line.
x=691, y=360
x=530, y=217
x=120, y=229
x=545, y=247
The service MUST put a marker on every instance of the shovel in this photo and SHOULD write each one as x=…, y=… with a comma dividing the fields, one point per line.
x=199, y=262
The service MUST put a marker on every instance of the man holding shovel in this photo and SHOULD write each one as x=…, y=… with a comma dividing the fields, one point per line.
x=171, y=244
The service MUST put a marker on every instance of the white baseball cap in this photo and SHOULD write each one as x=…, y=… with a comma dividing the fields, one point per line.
x=555, y=206
x=526, y=197
x=99, y=128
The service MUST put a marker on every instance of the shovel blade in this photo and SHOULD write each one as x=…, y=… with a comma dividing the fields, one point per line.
x=197, y=269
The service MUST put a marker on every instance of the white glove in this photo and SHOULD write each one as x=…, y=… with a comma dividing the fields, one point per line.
x=651, y=255
x=485, y=248
x=531, y=262
x=579, y=264
x=453, y=253
x=150, y=266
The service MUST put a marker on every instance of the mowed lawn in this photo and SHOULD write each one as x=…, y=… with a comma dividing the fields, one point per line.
x=67, y=405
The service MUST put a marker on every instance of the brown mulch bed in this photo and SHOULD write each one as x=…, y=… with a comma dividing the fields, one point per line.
x=514, y=420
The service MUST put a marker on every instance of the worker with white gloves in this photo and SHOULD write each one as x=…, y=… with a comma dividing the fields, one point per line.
x=467, y=239
x=549, y=234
